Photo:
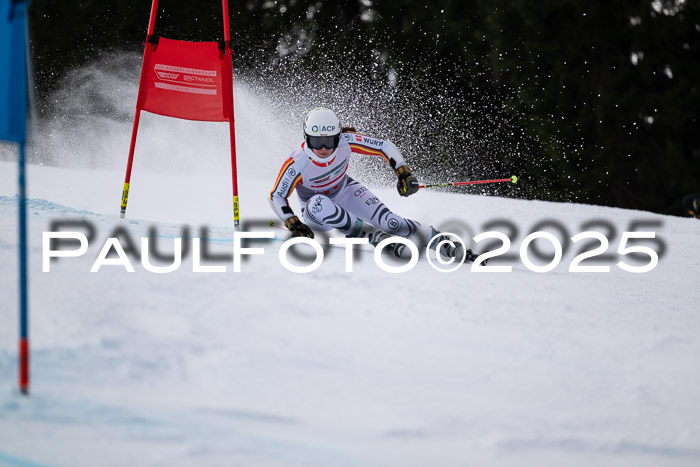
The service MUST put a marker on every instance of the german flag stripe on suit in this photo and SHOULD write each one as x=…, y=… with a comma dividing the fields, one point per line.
x=359, y=149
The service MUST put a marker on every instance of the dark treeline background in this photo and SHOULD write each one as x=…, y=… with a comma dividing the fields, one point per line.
x=602, y=99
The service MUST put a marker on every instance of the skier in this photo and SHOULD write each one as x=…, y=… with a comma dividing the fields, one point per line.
x=330, y=198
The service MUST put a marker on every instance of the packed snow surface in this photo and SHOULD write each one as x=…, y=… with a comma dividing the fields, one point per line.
x=266, y=367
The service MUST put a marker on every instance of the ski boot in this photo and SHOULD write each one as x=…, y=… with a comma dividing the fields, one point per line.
x=451, y=250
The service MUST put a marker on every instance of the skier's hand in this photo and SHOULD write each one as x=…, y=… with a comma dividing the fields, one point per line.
x=298, y=228
x=407, y=184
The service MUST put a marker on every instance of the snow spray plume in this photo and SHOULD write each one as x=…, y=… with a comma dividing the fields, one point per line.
x=445, y=132
x=87, y=124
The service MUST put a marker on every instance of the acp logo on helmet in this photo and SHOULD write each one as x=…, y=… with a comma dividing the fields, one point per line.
x=316, y=129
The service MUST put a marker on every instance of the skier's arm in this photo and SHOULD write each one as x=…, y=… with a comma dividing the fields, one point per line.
x=363, y=144
x=287, y=179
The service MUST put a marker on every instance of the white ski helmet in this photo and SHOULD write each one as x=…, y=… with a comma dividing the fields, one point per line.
x=321, y=128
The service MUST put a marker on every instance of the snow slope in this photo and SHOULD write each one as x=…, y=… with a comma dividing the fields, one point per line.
x=270, y=368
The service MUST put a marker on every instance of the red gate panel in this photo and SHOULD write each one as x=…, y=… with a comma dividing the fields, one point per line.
x=186, y=80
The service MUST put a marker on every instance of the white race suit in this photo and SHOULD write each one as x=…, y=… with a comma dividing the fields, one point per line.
x=330, y=199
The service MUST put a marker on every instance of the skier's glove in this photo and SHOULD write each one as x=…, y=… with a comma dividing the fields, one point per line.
x=407, y=184
x=298, y=228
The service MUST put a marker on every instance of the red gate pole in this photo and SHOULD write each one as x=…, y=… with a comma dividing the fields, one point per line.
x=139, y=103
x=232, y=129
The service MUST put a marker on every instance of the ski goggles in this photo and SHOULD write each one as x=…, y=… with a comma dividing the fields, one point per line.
x=317, y=142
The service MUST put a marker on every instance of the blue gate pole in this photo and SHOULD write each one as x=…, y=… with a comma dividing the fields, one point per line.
x=23, y=318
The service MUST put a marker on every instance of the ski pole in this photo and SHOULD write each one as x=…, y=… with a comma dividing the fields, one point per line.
x=274, y=225
x=512, y=179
